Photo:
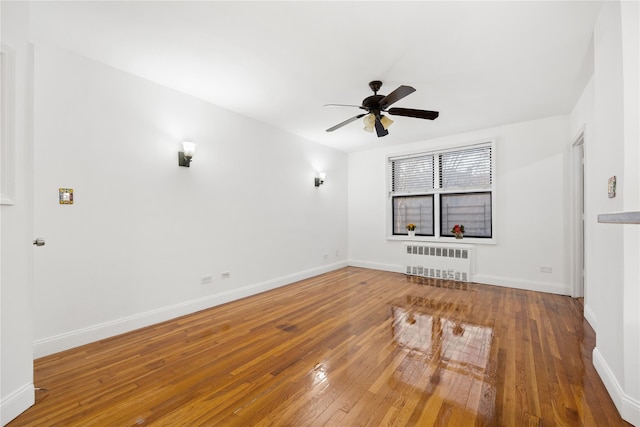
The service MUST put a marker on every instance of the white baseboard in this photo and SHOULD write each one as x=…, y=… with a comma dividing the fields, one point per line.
x=527, y=285
x=71, y=339
x=591, y=317
x=553, y=288
x=16, y=403
x=628, y=407
x=394, y=268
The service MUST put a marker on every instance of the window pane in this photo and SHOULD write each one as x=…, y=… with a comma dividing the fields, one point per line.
x=416, y=210
x=412, y=174
x=473, y=210
x=470, y=168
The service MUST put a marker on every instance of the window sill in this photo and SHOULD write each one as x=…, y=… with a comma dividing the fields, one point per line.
x=448, y=240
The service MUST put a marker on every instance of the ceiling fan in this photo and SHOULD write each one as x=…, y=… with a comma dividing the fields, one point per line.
x=376, y=104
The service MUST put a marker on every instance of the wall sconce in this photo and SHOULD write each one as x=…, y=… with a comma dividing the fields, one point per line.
x=184, y=156
x=319, y=180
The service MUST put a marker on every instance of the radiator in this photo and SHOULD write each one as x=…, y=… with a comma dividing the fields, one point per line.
x=438, y=261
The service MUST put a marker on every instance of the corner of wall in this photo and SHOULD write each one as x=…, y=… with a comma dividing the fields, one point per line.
x=628, y=407
x=15, y=403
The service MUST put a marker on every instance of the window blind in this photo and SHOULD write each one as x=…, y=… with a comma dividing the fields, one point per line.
x=411, y=174
x=468, y=168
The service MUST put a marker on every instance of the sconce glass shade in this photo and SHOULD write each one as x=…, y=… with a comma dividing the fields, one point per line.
x=188, y=148
x=369, y=122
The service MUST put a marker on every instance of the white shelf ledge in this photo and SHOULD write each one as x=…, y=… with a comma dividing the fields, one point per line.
x=620, y=218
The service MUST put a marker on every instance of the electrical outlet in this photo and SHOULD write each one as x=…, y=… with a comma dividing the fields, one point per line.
x=546, y=269
x=325, y=256
x=205, y=280
x=225, y=275
x=337, y=253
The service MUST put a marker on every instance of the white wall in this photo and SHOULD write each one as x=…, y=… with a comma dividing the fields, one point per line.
x=532, y=206
x=142, y=231
x=608, y=111
x=630, y=25
x=16, y=349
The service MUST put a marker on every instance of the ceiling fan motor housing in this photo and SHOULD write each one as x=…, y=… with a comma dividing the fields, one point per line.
x=372, y=103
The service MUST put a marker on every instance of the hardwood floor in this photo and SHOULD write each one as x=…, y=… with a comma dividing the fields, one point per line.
x=351, y=347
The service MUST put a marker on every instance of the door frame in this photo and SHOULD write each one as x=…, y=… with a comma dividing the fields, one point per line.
x=577, y=215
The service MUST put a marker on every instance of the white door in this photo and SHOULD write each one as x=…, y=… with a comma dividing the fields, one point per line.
x=16, y=218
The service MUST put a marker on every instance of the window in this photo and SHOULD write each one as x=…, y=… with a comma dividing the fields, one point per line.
x=416, y=210
x=439, y=189
x=473, y=210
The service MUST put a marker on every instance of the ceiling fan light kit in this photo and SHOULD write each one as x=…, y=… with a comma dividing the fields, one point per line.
x=376, y=104
x=369, y=122
x=386, y=121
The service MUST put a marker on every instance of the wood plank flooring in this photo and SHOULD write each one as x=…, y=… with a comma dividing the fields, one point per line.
x=354, y=347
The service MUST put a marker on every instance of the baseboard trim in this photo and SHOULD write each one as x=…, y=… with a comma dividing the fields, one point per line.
x=54, y=344
x=394, y=268
x=553, y=288
x=628, y=407
x=591, y=317
x=16, y=403
x=527, y=285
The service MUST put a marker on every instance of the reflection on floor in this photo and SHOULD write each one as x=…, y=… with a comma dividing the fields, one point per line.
x=443, y=350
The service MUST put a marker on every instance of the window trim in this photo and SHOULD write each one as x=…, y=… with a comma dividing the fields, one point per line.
x=491, y=142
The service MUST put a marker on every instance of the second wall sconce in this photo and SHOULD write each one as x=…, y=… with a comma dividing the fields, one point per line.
x=319, y=180
x=184, y=156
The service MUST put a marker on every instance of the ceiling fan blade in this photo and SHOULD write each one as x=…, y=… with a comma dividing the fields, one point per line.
x=342, y=105
x=410, y=112
x=380, y=130
x=396, y=96
x=346, y=122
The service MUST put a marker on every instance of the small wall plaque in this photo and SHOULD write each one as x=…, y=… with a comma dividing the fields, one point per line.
x=66, y=196
x=612, y=187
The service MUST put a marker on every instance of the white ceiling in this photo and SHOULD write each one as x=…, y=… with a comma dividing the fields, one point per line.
x=480, y=64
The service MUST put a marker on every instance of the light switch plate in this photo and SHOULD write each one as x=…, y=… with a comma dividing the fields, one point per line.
x=611, y=187
x=66, y=196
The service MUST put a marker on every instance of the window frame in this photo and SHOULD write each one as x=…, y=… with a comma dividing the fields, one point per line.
x=448, y=233
x=437, y=192
x=433, y=217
